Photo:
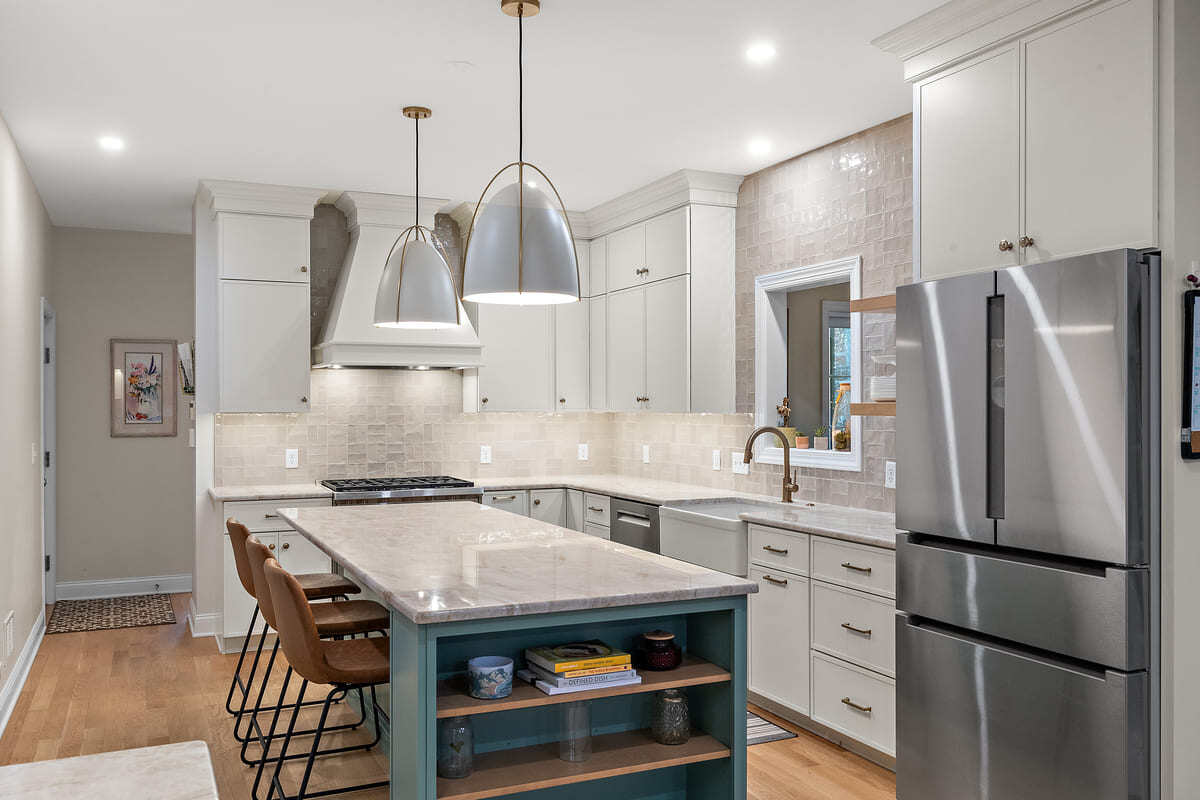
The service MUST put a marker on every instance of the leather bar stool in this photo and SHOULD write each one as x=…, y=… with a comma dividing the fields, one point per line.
x=347, y=618
x=346, y=665
x=317, y=586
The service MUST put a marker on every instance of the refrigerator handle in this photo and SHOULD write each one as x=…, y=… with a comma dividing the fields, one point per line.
x=995, y=407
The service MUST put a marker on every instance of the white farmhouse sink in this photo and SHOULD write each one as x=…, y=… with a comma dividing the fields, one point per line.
x=708, y=532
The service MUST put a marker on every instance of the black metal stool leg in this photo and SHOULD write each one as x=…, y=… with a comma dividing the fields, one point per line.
x=287, y=679
x=237, y=672
x=287, y=739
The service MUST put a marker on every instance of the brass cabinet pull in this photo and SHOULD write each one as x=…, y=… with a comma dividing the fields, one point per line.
x=856, y=706
x=777, y=551
x=864, y=631
x=856, y=568
x=562, y=399
x=270, y=516
x=597, y=509
x=776, y=581
x=286, y=545
x=1005, y=245
x=270, y=547
x=641, y=399
x=642, y=271
x=304, y=399
x=304, y=269
x=537, y=502
x=483, y=400
x=505, y=499
x=1025, y=241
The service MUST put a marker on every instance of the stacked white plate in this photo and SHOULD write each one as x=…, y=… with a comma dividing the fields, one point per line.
x=882, y=388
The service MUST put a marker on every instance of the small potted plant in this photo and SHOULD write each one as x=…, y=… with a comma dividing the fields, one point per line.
x=821, y=437
x=801, y=441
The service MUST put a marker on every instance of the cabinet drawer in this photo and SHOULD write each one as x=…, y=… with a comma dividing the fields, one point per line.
x=782, y=549
x=260, y=515
x=592, y=529
x=855, y=702
x=854, y=626
x=516, y=502
x=871, y=569
x=778, y=648
x=595, y=509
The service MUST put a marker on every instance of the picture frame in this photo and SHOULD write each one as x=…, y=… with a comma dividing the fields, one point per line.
x=143, y=376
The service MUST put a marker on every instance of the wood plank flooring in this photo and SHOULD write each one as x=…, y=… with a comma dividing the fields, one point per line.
x=110, y=690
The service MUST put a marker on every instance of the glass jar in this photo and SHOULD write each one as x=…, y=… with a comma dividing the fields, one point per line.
x=575, y=732
x=657, y=651
x=455, y=747
x=670, y=722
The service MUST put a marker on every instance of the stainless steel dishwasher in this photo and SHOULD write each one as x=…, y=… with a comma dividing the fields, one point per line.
x=634, y=524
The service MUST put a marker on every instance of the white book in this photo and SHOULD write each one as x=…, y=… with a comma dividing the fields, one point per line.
x=532, y=673
x=548, y=689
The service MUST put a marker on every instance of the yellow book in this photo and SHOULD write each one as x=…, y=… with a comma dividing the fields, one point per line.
x=577, y=656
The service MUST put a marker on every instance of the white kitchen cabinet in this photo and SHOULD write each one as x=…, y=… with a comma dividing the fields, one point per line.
x=648, y=251
x=856, y=702
x=626, y=257
x=549, y=505
x=258, y=247
x=237, y=605
x=596, y=509
x=516, y=501
x=574, y=510
x=1090, y=133
x=598, y=266
x=666, y=347
x=779, y=654
x=518, y=357
x=855, y=627
x=264, y=346
x=626, y=349
x=298, y=555
x=597, y=348
x=969, y=186
x=599, y=531
x=571, y=350
x=583, y=252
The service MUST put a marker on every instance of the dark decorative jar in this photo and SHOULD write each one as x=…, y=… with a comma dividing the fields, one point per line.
x=657, y=651
x=455, y=747
x=670, y=722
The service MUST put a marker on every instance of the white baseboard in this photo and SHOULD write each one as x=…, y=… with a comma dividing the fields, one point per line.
x=203, y=624
x=11, y=689
x=123, y=587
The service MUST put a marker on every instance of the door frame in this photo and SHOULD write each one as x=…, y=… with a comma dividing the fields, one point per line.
x=48, y=357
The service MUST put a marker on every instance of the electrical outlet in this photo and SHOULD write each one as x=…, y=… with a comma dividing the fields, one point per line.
x=645, y=454
x=191, y=437
x=291, y=458
x=33, y=453
x=8, y=634
x=485, y=454
x=716, y=460
x=740, y=467
x=583, y=452
x=889, y=474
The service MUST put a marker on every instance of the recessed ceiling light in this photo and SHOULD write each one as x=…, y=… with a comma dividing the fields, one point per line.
x=758, y=146
x=760, y=52
x=111, y=144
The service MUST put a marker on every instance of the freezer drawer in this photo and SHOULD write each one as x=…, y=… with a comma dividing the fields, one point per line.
x=979, y=720
x=634, y=524
x=1093, y=614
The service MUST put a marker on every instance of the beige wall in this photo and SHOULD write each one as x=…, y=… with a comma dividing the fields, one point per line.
x=805, y=351
x=124, y=505
x=24, y=253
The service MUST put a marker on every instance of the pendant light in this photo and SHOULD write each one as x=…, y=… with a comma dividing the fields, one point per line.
x=417, y=289
x=520, y=249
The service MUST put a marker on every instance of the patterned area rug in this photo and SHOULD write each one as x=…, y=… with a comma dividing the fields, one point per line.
x=760, y=731
x=106, y=613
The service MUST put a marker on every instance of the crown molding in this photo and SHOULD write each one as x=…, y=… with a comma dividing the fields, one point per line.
x=944, y=23
x=675, y=190
x=386, y=210
x=257, y=198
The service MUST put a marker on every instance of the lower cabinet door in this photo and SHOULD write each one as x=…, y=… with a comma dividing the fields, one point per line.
x=299, y=556
x=517, y=501
x=574, y=509
x=779, y=619
x=600, y=531
x=548, y=505
x=237, y=605
x=856, y=702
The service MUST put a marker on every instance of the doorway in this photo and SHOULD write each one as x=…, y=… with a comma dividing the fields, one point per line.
x=49, y=454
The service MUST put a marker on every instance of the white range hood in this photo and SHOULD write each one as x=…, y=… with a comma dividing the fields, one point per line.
x=350, y=339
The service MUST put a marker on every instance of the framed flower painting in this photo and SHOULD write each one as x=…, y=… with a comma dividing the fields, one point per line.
x=142, y=395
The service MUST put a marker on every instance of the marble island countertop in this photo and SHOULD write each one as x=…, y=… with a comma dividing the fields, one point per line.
x=443, y=562
x=180, y=771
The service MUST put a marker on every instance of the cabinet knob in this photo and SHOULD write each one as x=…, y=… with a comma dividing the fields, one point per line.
x=303, y=268
x=537, y=502
x=286, y=545
x=562, y=399
x=304, y=399
x=1025, y=241
x=270, y=547
x=483, y=400
x=1005, y=245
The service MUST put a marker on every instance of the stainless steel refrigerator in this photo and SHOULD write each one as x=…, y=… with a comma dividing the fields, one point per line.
x=1027, y=435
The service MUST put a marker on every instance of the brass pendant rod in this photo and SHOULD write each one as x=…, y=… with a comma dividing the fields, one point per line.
x=521, y=83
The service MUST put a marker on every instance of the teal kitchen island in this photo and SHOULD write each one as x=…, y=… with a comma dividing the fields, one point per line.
x=463, y=580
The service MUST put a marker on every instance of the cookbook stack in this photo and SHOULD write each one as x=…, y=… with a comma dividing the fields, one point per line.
x=578, y=667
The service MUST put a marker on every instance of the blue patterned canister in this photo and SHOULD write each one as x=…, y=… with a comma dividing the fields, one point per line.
x=490, y=677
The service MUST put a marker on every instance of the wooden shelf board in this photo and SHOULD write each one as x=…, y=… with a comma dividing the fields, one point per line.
x=453, y=700
x=882, y=303
x=883, y=409
x=525, y=769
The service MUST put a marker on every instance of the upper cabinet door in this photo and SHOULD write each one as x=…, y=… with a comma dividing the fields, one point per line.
x=583, y=252
x=264, y=248
x=666, y=246
x=597, y=362
x=571, y=356
x=597, y=265
x=626, y=354
x=518, y=358
x=667, y=386
x=626, y=257
x=969, y=167
x=1090, y=133
x=264, y=346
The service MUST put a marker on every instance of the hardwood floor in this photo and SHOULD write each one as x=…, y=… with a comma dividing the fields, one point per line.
x=134, y=687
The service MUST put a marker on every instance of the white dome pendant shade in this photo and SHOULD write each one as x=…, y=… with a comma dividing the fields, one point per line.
x=416, y=289
x=519, y=248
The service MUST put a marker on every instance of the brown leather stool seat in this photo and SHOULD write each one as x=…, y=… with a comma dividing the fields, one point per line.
x=323, y=585
x=357, y=660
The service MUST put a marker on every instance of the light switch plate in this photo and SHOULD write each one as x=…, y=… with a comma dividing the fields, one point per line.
x=889, y=474
x=33, y=453
x=716, y=460
x=583, y=451
x=485, y=454
x=191, y=437
x=291, y=458
x=740, y=467
x=645, y=454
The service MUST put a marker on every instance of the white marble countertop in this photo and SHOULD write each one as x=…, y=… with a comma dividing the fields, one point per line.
x=169, y=772
x=441, y=562
x=876, y=528
x=277, y=491
x=630, y=487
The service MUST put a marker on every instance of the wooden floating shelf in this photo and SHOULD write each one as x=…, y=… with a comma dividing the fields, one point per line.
x=883, y=303
x=882, y=409
x=525, y=769
x=453, y=700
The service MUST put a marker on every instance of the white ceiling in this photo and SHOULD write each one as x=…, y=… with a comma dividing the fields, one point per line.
x=308, y=93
